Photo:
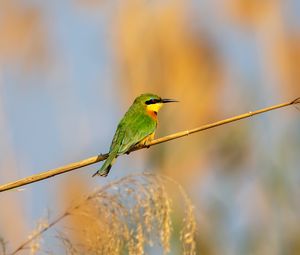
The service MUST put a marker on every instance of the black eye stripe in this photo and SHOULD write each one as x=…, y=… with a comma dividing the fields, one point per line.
x=149, y=102
x=152, y=101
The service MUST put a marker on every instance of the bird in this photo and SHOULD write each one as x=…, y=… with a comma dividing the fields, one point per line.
x=137, y=127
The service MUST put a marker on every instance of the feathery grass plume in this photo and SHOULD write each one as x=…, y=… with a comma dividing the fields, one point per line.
x=187, y=235
x=129, y=216
x=68, y=246
x=189, y=225
x=36, y=243
x=125, y=216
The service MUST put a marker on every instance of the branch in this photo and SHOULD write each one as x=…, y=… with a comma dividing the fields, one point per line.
x=101, y=157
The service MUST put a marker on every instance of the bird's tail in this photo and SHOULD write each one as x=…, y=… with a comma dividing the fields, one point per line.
x=104, y=170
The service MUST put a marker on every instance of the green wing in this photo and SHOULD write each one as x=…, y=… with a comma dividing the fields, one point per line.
x=133, y=128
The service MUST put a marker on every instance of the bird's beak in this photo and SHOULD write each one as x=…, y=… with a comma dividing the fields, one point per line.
x=166, y=100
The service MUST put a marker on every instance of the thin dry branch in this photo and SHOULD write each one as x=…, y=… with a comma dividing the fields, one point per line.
x=101, y=157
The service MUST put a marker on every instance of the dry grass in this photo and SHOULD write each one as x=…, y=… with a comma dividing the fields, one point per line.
x=36, y=243
x=126, y=216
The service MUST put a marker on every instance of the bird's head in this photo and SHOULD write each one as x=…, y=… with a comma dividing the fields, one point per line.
x=152, y=102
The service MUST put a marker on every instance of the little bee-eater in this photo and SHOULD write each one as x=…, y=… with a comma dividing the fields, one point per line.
x=137, y=126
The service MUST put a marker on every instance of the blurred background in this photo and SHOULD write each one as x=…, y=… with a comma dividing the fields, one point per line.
x=70, y=69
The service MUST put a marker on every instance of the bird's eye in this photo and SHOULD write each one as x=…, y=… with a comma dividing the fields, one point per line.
x=151, y=101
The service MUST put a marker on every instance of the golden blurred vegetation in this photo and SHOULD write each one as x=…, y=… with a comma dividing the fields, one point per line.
x=22, y=36
x=158, y=51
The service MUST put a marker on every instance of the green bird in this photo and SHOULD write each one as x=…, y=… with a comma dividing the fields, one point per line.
x=136, y=127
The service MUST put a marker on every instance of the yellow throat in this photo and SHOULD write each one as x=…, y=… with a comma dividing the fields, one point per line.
x=154, y=107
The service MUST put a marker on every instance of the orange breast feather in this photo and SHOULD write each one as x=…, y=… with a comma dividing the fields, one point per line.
x=152, y=114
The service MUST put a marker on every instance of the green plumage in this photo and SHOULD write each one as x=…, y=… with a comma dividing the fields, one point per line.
x=136, y=125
